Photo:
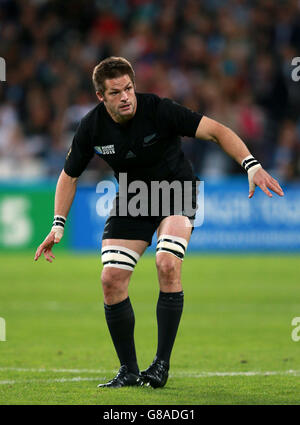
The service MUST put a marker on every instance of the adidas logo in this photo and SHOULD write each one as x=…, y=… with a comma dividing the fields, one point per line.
x=130, y=154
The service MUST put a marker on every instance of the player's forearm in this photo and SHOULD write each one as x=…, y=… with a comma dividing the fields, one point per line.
x=232, y=144
x=228, y=140
x=64, y=195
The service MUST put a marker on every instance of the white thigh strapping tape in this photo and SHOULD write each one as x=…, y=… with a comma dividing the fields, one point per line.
x=172, y=244
x=119, y=257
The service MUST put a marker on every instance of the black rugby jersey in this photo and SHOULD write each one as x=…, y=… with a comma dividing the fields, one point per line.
x=147, y=147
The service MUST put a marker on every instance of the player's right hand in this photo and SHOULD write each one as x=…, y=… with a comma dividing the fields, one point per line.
x=46, y=247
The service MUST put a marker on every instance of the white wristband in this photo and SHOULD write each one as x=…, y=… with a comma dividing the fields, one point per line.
x=251, y=165
x=249, y=162
x=58, y=227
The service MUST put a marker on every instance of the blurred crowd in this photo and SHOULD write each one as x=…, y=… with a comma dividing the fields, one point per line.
x=228, y=59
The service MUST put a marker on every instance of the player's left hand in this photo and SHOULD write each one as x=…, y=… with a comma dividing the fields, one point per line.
x=265, y=181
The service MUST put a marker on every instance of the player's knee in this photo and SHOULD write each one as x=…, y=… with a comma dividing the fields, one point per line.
x=114, y=280
x=167, y=267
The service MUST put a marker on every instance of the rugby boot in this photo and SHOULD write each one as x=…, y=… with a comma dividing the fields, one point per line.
x=123, y=379
x=156, y=375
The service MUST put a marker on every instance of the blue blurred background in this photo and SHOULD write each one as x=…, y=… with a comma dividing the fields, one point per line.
x=230, y=60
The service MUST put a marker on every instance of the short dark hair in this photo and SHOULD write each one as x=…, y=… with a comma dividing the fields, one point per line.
x=109, y=68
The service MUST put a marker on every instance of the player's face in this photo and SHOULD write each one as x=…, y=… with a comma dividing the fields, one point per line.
x=119, y=98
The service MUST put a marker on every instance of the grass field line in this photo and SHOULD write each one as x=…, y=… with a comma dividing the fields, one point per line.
x=183, y=374
x=22, y=369
x=59, y=380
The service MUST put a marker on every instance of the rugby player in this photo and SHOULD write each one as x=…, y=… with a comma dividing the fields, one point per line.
x=139, y=134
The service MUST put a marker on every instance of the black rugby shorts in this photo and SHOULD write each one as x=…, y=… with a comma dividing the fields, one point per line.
x=140, y=227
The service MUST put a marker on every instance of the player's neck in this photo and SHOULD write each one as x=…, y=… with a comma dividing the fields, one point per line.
x=119, y=119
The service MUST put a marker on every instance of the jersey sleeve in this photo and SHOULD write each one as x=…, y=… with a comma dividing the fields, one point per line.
x=80, y=152
x=177, y=119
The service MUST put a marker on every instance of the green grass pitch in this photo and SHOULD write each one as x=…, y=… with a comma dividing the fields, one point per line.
x=234, y=343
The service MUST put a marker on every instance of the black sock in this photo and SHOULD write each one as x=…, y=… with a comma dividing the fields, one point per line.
x=168, y=313
x=120, y=321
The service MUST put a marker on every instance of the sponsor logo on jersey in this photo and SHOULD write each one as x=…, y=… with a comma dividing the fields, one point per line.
x=105, y=150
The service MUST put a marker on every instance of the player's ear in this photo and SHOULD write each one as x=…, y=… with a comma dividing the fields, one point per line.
x=100, y=96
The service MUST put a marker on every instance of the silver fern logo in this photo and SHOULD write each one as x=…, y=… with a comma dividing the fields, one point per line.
x=149, y=140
